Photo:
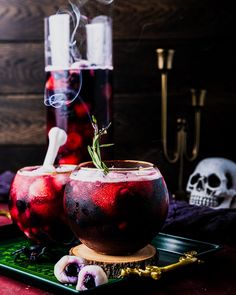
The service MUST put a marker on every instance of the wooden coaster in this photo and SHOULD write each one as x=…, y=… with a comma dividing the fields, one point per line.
x=112, y=265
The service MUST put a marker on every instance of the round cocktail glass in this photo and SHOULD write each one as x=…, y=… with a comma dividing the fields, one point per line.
x=36, y=204
x=118, y=213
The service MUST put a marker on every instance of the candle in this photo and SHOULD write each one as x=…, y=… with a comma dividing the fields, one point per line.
x=59, y=34
x=95, y=43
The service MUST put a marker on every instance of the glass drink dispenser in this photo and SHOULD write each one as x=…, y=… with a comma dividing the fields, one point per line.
x=79, y=67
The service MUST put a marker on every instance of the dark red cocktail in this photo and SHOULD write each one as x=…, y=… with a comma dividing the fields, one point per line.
x=118, y=213
x=36, y=204
x=71, y=96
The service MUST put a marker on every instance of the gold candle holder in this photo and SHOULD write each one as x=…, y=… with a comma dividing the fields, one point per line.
x=164, y=64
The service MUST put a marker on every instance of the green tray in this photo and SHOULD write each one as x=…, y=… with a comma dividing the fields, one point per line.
x=41, y=274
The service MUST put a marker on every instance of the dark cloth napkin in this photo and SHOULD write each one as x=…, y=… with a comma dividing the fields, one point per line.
x=201, y=223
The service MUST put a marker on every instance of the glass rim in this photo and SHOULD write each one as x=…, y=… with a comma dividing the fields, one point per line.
x=137, y=166
x=27, y=170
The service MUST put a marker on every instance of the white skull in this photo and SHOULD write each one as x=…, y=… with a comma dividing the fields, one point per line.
x=213, y=184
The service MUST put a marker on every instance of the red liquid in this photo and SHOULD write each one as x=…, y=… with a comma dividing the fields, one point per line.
x=72, y=97
x=116, y=217
x=36, y=206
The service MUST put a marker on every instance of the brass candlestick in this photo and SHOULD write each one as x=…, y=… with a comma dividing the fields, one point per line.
x=164, y=63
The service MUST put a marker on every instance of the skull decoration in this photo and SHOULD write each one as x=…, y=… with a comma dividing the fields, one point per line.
x=213, y=184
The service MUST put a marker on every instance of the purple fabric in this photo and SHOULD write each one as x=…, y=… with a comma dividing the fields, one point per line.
x=5, y=183
x=201, y=223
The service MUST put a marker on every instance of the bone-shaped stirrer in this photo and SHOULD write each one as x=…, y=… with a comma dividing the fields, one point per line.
x=57, y=137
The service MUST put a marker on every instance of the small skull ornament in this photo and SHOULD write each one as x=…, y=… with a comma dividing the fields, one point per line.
x=213, y=184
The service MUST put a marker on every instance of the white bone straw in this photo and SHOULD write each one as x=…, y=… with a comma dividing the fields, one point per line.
x=57, y=137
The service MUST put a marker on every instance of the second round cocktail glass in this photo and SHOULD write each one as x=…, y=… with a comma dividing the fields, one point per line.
x=116, y=213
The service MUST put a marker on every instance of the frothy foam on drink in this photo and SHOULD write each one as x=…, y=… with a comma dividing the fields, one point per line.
x=39, y=170
x=92, y=175
x=80, y=65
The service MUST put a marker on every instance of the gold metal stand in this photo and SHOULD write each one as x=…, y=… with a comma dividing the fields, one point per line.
x=164, y=63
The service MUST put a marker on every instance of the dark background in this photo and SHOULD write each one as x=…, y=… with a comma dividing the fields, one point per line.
x=201, y=32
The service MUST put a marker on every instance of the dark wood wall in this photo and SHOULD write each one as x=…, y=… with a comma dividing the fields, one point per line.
x=201, y=32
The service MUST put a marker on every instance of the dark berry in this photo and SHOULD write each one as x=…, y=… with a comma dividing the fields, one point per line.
x=89, y=281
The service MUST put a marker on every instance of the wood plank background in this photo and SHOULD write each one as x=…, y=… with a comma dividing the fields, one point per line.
x=201, y=32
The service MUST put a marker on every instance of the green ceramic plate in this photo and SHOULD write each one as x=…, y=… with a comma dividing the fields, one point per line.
x=41, y=274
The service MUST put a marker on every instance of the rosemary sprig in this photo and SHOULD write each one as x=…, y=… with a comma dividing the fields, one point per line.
x=94, y=150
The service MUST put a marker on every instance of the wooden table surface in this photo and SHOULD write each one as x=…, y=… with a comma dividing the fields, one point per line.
x=216, y=276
